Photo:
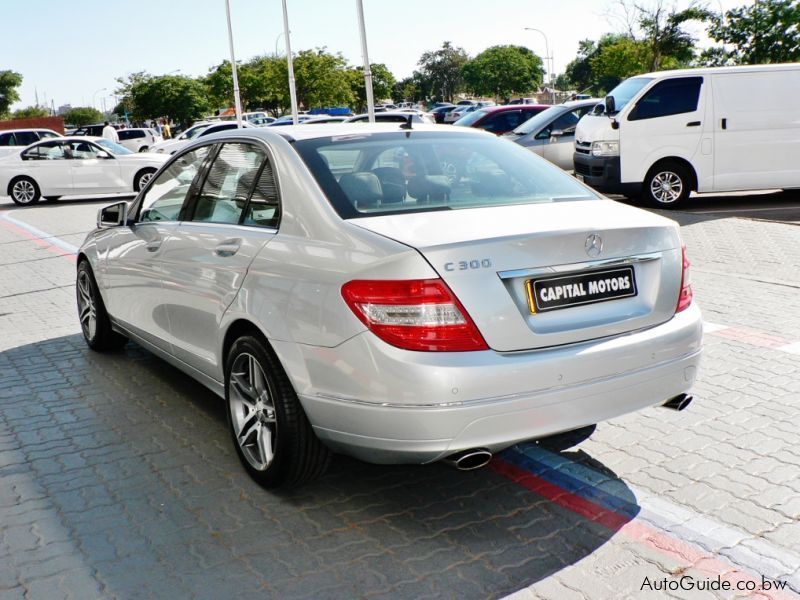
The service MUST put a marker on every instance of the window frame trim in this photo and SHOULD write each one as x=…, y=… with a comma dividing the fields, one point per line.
x=632, y=113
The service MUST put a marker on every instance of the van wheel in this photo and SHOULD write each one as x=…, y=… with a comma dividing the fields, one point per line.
x=270, y=431
x=667, y=185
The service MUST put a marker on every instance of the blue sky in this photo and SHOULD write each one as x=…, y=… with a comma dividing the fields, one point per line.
x=69, y=50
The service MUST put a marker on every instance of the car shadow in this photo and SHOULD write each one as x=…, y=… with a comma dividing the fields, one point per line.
x=139, y=474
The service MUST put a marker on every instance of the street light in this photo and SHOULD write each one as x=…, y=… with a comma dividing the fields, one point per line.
x=276, y=42
x=367, y=71
x=95, y=95
x=290, y=64
x=546, y=58
x=236, y=99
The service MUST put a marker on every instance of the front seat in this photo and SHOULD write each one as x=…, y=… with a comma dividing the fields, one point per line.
x=362, y=189
x=393, y=183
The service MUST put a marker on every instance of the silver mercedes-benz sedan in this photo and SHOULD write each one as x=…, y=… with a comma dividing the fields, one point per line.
x=345, y=292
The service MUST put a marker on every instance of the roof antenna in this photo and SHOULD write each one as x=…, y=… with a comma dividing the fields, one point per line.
x=407, y=124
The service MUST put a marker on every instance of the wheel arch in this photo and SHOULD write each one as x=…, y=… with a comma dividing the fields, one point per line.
x=16, y=178
x=237, y=329
x=139, y=173
x=680, y=161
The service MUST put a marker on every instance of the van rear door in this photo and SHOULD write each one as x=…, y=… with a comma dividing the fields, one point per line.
x=667, y=120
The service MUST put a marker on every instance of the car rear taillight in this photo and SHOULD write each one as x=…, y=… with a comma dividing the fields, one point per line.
x=415, y=314
x=685, y=298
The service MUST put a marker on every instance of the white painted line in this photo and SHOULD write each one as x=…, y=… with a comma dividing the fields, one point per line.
x=790, y=348
x=741, y=548
x=42, y=235
x=741, y=210
x=709, y=327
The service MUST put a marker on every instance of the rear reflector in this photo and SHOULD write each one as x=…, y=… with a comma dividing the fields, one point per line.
x=415, y=314
x=685, y=298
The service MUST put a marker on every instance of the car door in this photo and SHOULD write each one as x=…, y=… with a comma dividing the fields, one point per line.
x=94, y=170
x=666, y=121
x=50, y=166
x=559, y=138
x=230, y=218
x=131, y=268
x=503, y=121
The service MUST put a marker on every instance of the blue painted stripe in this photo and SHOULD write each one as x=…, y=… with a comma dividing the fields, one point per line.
x=42, y=235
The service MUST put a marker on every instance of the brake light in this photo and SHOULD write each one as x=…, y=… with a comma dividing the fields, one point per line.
x=415, y=314
x=685, y=297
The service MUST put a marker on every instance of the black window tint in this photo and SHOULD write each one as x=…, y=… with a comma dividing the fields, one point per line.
x=129, y=134
x=502, y=121
x=670, y=97
x=6, y=139
x=264, y=206
x=26, y=138
x=228, y=184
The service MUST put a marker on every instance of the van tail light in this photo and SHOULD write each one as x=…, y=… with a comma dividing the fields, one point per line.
x=685, y=297
x=414, y=314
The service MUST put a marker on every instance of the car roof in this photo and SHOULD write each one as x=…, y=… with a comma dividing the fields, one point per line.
x=311, y=131
x=536, y=107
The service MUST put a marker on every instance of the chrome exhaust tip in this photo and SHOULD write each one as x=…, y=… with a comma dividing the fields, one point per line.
x=679, y=402
x=469, y=460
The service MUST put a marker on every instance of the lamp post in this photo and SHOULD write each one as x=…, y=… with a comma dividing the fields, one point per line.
x=546, y=58
x=290, y=65
x=367, y=71
x=236, y=99
x=95, y=96
x=276, y=42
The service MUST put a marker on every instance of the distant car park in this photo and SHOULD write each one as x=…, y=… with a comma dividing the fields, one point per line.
x=393, y=117
x=13, y=139
x=138, y=139
x=500, y=119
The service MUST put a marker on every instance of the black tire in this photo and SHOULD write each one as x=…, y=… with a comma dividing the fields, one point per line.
x=275, y=420
x=24, y=191
x=667, y=185
x=98, y=334
x=141, y=178
x=143, y=149
x=567, y=439
x=51, y=198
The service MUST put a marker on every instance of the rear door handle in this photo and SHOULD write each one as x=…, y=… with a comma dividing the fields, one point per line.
x=693, y=124
x=228, y=247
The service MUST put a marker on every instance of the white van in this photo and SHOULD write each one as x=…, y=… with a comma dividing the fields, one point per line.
x=663, y=135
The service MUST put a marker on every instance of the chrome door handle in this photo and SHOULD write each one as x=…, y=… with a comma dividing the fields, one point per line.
x=228, y=247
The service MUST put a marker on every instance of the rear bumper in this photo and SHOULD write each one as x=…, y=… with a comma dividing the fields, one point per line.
x=603, y=174
x=386, y=405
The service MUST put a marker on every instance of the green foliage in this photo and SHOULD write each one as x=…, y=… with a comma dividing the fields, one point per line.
x=322, y=79
x=83, y=115
x=502, y=71
x=178, y=97
x=767, y=31
x=440, y=75
x=618, y=60
x=383, y=84
x=9, y=82
x=664, y=36
x=30, y=112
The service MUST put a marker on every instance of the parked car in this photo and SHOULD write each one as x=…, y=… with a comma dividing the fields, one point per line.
x=440, y=112
x=459, y=111
x=500, y=119
x=523, y=101
x=666, y=134
x=95, y=130
x=251, y=116
x=74, y=166
x=317, y=120
x=172, y=146
x=341, y=296
x=13, y=139
x=138, y=139
x=393, y=117
x=289, y=120
x=551, y=133
x=261, y=121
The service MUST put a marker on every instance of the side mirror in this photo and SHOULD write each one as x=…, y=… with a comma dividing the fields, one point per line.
x=611, y=106
x=114, y=215
x=103, y=154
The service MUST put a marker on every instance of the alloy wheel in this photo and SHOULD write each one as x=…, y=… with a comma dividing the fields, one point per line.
x=143, y=179
x=252, y=411
x=666, y=187
x=87, y=308
x=23, y=191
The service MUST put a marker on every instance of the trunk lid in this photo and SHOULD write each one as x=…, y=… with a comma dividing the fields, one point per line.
x=488, y=255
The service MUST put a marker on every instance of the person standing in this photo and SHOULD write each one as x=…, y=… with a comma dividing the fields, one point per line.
x=110, y=133
x=165, y=130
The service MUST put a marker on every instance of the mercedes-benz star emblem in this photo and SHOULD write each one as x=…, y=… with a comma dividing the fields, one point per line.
x=593, y=245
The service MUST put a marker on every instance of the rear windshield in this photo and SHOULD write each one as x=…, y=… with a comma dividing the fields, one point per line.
x=408, y=172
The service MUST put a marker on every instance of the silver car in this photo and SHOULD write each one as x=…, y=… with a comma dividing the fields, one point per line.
x=342, y=294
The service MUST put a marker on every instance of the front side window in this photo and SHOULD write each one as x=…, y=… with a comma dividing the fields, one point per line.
x=47, y=134
x=422, y=171
x=165, y=196
x=669, y=97
x=565, y=123
x=626, y=90
x=228, y=184
x=502, y=121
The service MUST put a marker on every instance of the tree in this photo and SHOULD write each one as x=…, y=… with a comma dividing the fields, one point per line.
x=383, y=84
x=82, y=115
x=663, y=34
x=441, y=71
x=767, y=31
x=321, y=79
x=618, y=59
x=30, y=112
x=502, y=71
x=179, y=97
x=9, y=82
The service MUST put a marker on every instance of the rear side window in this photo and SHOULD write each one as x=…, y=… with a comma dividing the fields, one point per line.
x=228, y=184
x=130, y=134
x=26, y=138
x=6, y=139
x=669, y=97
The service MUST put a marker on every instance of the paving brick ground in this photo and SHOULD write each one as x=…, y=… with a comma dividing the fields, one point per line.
x=118, y=480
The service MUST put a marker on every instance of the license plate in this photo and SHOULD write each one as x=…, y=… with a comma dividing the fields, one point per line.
x=551, y=293
x=579, y=177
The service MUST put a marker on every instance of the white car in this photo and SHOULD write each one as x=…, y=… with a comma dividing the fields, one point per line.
x=138, y=139
x=74, y=166
x=394, y=117
x=458, y=112
x=15, y=139
x=172, y=146
x=341, y=295
x=189, y=134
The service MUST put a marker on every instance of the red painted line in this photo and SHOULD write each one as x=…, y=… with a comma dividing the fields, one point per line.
x=38, y=241
x=692, y=557
x=751, y=336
